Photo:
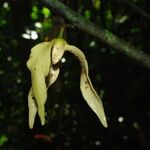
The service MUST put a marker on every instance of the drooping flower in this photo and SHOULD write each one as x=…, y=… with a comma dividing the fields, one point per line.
x=41, y=63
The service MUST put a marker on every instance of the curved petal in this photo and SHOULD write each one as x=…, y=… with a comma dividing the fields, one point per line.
x=39, y=65
x=36, y=52
x=54, y=72
x=32, y=108
x=40, y=92
x=57, y=50
x=86, y=87
x=57, y=53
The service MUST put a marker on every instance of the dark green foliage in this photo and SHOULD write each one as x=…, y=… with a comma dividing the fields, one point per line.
x=70, y=124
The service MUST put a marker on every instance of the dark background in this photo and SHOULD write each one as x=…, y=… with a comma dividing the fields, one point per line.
x=70, y=124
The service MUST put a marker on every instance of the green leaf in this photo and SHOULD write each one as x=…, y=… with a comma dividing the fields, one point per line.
x=96, y=4
x=3, y=139
x=87, y=14
x=108, y=17
x=47, y=23
x=46, y=12
x=3, y=22
x=34, y=13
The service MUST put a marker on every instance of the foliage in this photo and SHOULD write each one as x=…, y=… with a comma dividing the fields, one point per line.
x=70, y=124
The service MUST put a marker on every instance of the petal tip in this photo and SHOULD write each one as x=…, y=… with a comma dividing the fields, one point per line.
x=104, y=122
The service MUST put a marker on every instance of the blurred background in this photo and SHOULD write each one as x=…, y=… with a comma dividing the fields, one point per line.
x=70, y=124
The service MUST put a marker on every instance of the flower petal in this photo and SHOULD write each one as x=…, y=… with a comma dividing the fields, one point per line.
x=39, y=65
x=43, y=59
x=57, y=50
x=86, y=87
x=32, y=108
x=54, y=72
x=40, y=92
x=57, y=53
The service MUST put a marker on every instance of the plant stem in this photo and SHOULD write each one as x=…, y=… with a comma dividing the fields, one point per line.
x=104, y=35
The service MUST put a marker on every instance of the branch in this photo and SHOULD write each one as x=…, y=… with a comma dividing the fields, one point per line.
x=103, y=35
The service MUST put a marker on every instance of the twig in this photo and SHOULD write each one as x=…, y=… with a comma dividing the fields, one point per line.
x=103, y=35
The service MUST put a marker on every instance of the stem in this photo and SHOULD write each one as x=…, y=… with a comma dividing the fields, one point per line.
x=61, y=32
x=102, y=34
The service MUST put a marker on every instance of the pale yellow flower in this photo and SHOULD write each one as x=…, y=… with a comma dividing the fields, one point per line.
x=41, y=61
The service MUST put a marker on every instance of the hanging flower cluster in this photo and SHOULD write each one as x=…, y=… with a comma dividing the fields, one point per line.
x=41, y=63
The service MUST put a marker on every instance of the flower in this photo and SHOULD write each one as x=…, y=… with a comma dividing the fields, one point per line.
x=41, y=63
